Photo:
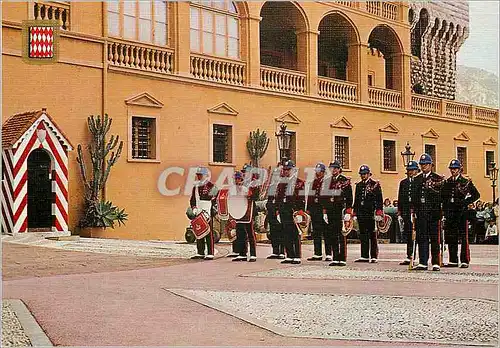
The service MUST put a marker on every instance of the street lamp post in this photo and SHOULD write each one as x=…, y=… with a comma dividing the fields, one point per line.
x=407, y=155
x=283, y=142
x=493, y=178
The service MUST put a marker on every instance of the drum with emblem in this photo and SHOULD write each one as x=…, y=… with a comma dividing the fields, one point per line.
x=222, y=207
x=201, y=225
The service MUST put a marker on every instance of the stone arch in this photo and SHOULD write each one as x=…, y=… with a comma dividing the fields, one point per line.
x=281, y=23
x=337, y=46
x=384, y=39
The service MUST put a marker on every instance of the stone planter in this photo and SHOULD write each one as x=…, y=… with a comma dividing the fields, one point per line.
x=259, y=237
x=92, y=232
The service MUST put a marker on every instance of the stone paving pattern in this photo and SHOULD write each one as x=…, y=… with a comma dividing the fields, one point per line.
x=388, y=318
x=12, y=331
x=326, y=272
x=120, y=300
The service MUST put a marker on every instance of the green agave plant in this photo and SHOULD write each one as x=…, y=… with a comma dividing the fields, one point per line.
x=106, y=215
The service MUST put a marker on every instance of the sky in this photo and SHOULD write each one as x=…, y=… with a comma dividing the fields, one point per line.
x=480, y=50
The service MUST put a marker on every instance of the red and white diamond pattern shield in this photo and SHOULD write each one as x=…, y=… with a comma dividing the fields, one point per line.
x=41, y=44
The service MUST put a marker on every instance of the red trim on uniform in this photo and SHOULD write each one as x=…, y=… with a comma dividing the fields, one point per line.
x=254, y=236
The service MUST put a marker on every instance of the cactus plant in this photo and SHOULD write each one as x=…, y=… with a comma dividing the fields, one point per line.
x=257, y=144
x=99, y=213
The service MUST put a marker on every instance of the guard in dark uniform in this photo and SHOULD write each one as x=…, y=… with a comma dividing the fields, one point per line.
x=207, y=191
x=367, y=201
x=339, y=201
x=289, y=201
x=428, y=211
x=407, y=196
x=275, y=227
x=244, y=227
x=315, y=209
x=457, y=193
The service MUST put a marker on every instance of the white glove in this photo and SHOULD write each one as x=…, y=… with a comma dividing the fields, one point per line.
x=325, y=218
x=347, y=217
x=196, y=211
x=278, y=218
x=400, y=219
x=378, y=218
x=299, y=219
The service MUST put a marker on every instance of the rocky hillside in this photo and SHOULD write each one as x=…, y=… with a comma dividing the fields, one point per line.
x=477, y=86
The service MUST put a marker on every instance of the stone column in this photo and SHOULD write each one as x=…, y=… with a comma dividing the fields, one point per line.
x=357, y=69
x=250, y=47
x=307, y=58
x=181, y=39
x=405, y=69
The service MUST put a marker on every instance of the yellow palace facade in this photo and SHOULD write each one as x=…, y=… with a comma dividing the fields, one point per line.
x=185, y=83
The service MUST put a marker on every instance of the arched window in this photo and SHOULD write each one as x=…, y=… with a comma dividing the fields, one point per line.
x=144, y=21
x=215, y=28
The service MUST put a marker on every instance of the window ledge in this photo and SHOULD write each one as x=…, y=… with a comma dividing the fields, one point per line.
x=389, y=172
x=137, y=160
x=221, y=164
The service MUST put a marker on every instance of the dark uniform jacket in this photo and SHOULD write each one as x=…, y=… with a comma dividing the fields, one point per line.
x=289, y=200
x=457, y=194
x=342, y=194
x=206, y=191
x=315, y=199
x=368, y=198
x=429, y=195
x=407, y=196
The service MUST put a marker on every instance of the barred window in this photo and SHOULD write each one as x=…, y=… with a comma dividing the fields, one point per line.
x=222, y=143
x=215, y=28
x=143, y=138
x=145, y=21
x=462, y=157
x=342, y=151
x=389, y=155
x=490, y=158
x=430, y=149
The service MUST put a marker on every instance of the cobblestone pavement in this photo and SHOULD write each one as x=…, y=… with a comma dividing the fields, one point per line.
x=12, y=331
x=389, y=318
x=120, y=300
x=326, y=272
x=158, y=249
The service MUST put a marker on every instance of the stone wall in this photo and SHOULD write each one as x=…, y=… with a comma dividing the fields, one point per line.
x=438, y=30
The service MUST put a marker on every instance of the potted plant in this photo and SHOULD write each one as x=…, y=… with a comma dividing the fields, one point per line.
x=99, y=214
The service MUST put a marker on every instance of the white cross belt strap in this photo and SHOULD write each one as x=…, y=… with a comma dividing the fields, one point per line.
x=201, y=204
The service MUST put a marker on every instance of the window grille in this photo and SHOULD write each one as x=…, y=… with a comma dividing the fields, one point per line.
x=342, y=151
x=490, y=158
x=462, y=157
x=142, y=137
x=430, y=149
x=222, y=143
x=389, y=155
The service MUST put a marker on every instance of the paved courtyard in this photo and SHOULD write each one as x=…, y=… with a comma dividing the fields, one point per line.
x=125, y=293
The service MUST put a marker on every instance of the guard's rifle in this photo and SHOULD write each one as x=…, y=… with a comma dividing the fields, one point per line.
x=413, y=239
x=443, y=245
